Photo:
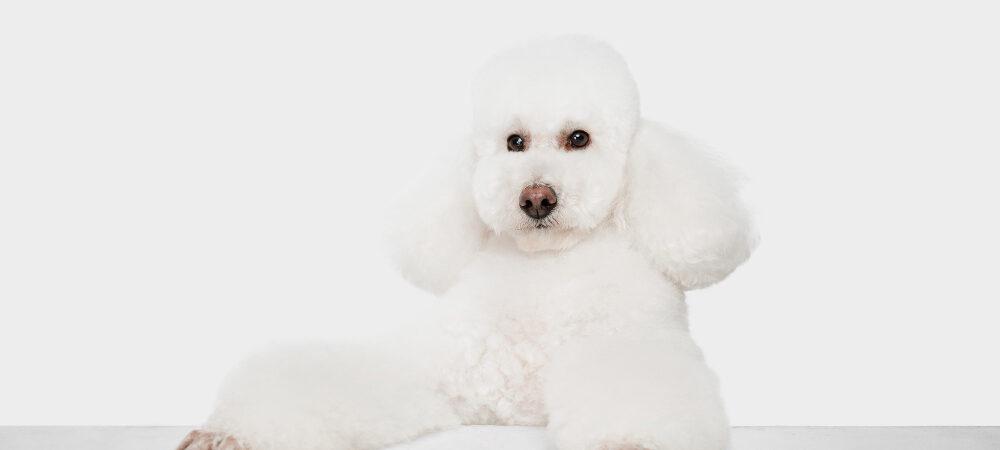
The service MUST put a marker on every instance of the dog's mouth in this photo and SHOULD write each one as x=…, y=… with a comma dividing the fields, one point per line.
x=532, y=224
x=547, y=235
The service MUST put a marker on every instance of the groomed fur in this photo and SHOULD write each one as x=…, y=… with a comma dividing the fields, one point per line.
x=682, y=208
x=576, y=321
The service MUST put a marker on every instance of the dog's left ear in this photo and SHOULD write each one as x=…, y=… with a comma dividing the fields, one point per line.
x=683, y=208
x=434, y=229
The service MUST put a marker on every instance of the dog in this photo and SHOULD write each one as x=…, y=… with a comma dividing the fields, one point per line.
x=561, y=236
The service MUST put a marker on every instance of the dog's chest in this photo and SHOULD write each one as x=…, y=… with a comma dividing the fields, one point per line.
x=494, y=375
x=510, y=313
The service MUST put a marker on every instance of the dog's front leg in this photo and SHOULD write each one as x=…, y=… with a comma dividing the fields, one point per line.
x=616, y=393
x=324, y=397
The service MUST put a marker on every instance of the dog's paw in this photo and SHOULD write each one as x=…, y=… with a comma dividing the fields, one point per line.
x=622, y=444
x=208, y=440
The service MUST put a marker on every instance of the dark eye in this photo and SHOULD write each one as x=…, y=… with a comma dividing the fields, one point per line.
x=578, y=139
x=515, y=143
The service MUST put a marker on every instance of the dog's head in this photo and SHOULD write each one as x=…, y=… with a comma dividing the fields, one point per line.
x=558, y=150
x=551, y=131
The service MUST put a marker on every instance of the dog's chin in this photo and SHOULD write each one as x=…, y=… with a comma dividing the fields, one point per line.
x=547, y=238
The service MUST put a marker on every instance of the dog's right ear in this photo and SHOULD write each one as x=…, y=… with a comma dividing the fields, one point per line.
x=434, y=229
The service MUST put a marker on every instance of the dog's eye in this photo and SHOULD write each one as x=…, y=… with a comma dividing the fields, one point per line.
x=515, y=143
x=578, y=139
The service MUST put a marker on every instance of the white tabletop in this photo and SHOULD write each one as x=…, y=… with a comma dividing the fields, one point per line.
x=524, y=438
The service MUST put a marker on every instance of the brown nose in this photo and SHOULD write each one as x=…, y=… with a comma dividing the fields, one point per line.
x=537, y=201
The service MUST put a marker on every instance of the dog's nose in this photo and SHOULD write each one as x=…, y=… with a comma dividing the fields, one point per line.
x=538, y=201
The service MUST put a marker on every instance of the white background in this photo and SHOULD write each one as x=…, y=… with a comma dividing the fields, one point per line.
x=181, y=182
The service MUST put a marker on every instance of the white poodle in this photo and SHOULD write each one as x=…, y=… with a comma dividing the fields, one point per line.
x=561, y=238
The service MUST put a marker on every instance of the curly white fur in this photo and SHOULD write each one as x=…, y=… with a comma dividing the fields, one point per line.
x=579, y=325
